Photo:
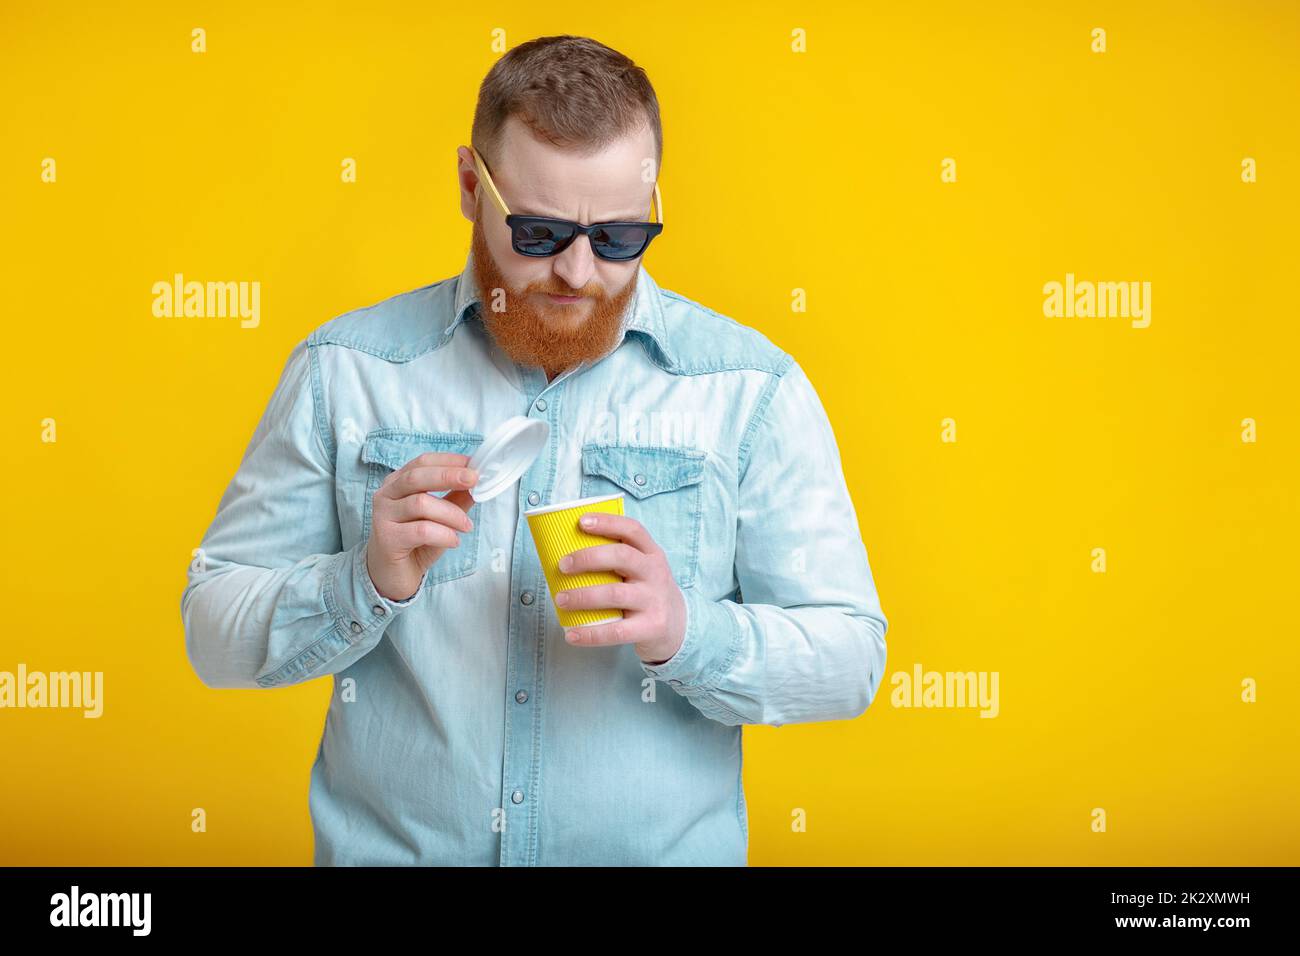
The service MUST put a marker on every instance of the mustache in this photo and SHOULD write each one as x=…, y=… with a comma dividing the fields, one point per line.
x=594, y=294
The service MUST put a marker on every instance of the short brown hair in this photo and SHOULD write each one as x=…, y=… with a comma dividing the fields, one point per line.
x=572, y=91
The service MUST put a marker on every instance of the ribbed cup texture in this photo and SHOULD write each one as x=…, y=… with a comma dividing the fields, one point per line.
x=555, y=534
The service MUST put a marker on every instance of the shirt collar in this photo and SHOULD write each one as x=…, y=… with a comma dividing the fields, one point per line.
x=645, y=314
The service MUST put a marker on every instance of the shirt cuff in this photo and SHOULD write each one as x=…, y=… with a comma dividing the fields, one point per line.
x=353, y=601
x=708, y=648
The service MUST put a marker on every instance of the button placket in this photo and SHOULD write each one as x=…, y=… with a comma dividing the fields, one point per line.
x=519, y=838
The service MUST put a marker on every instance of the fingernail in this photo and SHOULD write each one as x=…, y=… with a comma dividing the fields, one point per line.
x=465, y=476
x=587, y=521
x=562, y=598
x=566, y=562
x=469, y=523
x=571, y=636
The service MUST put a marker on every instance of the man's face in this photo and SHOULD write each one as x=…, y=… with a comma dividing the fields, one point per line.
x=536, y=178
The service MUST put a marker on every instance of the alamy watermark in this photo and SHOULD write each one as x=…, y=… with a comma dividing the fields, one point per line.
x=1102, y=300
x=210, y=300
x=84, y=689
x=922, y=688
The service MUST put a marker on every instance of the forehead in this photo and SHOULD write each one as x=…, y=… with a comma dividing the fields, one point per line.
x=540, y=179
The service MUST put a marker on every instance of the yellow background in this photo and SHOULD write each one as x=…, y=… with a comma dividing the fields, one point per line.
x=1119, y=690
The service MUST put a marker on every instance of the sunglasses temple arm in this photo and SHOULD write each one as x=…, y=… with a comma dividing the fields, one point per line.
x=485, y=179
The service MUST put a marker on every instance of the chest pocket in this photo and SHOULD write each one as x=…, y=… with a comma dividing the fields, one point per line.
x=662, y=489
x=387, y=450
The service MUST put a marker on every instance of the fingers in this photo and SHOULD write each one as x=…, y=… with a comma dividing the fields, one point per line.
x=420, y=520
x=461, y=499
x=432, y=471
x=621, y=595
x=623, y=527
x=409, y=535
x=615, y=632
x=621, y=558
x=423, y=506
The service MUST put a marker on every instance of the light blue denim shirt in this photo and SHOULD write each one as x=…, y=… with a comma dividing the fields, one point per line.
x=463, y=729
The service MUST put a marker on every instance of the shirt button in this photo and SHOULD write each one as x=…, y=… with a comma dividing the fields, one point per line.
x=639, y=479
x=521, y=697
x=356, y=628
x=517, y=797
x=541, y=405
x=379, y=610
x=675, y=682
x=534, y=497
x=526, y=597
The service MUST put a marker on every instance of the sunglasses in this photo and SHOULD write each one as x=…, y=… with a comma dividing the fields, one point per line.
x=542, y=236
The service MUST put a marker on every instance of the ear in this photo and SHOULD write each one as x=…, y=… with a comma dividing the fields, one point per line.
x=467, y=181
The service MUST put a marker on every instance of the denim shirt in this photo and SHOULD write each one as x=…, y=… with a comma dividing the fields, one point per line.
x=463, y=729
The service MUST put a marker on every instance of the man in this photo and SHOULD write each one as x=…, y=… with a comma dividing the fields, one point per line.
x=465, y=726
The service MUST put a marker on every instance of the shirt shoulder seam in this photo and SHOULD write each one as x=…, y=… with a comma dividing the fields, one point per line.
x=319, y=411
x=764, y=399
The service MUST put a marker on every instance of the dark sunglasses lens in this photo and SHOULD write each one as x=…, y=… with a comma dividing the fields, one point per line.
x=540, y=239
x=619, y=242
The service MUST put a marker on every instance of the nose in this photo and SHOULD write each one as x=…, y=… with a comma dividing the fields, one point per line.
x=576, y=265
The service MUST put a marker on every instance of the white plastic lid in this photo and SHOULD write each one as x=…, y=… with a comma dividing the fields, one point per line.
x=506, y=454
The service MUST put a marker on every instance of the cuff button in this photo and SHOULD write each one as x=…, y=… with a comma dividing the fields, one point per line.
x=356, y=628
x=380, y=610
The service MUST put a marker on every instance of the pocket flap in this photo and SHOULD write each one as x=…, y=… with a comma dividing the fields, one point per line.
x=393, y=448
x=643, y=470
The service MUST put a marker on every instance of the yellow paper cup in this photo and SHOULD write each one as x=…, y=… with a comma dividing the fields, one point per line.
x=556, y=533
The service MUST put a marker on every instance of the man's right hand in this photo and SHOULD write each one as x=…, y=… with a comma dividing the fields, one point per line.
x=410, y=529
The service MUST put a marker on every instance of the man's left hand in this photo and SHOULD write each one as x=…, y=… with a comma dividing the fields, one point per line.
x=654, y=608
